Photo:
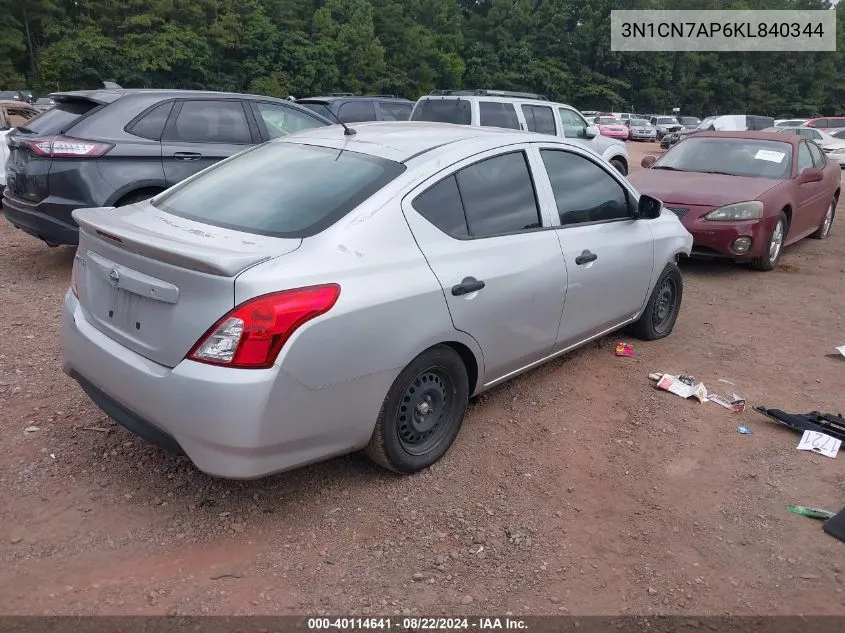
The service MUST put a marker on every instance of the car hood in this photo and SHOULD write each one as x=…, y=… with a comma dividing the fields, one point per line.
x=699, y=189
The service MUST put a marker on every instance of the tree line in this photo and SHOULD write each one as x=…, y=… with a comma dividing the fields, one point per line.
x=560, y=48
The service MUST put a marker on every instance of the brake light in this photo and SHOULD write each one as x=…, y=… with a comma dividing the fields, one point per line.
x=252, y=335
x=67, y=147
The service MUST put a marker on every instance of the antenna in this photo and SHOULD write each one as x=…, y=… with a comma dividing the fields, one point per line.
x=347, y=131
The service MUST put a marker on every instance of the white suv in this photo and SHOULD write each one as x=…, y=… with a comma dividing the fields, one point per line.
x=518, y=111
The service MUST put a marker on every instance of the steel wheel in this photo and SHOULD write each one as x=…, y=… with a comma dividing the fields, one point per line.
x=423, y=411
x=664, y=306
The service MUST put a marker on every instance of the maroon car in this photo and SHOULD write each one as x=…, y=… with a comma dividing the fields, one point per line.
x=745, y=195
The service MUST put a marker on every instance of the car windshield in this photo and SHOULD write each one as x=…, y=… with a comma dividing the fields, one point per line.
x=667, y=120
x=640, y=122
x=280, y=189
x=689, y=120
x=730, y=156
x=443, y=111
x=609, y=120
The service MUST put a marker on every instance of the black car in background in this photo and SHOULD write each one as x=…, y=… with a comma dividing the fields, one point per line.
x=352, y=109
x=101, y=148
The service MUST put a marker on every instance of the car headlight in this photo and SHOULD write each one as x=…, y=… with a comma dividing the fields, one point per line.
x=752, y=210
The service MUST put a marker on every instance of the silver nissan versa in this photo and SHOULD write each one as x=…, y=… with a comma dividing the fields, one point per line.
x=341, y=290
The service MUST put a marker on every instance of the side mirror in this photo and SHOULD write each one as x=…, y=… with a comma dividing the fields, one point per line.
x=811, y=174
x=648, y=161
x=591, y=132
x=648, y=208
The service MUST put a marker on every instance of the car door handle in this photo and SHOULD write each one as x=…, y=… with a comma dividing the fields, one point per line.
x=187, y=155
x=585, y=258
x=468, y=285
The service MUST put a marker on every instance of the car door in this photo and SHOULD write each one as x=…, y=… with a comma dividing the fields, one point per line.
x=278, y=119
x=811, y=196
x=609, y=255
x=201, y=132
x=575, y=127
x=480, y=228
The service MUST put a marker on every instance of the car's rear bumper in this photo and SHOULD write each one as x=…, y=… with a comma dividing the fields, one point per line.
x=44, y=220
x=232, y=423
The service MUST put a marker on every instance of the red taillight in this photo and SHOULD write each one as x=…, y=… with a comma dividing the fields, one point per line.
x=67, y=147
x=252, y=335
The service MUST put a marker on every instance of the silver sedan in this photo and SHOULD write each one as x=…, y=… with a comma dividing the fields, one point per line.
x=330, y=292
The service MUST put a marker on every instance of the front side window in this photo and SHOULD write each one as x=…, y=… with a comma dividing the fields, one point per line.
x=282, y=120
x=496, y=114
x=819, y=160
x=211, y=121
x=573, y=125
x=280, y=189
x=584, y=192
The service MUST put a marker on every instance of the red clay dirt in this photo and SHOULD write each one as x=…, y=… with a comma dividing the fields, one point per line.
x=576, y=488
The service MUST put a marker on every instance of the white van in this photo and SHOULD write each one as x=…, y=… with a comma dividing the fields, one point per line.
x=518, y=111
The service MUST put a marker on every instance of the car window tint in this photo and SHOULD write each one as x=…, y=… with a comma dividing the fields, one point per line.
x=573, y=125
x=456, y=111
x=280, y=189
x=539, y=119
x=498, y=196
x=441, y=205
x=151, y=125
x=584, y=192
x=282, y=120
x=354, y=111
x=819, y=160
x=319, y=108
x=62, y=117
x=395, y=111
x=210, y=121
x=805, y=159
x=496, y=114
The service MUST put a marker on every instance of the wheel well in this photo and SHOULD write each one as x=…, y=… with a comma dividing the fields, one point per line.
x=469, y=362
x=836, y=195
x=137, y=193
x=788, y=211
x=621, y=159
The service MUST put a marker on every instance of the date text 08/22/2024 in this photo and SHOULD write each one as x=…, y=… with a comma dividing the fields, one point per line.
x=415, y=624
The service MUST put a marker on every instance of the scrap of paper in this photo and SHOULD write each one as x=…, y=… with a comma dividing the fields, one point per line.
x=819, y=443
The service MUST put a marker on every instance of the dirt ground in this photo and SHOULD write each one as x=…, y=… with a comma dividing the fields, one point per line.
x=576, y=488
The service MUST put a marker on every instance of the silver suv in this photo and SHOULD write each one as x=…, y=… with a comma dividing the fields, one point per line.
x=519, y=111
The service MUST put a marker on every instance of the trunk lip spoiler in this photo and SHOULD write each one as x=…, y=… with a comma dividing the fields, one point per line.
x=191, y=257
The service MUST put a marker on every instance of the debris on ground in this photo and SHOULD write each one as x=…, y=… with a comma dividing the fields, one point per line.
x=736, y=405
x=835, y=525
x=744, y=430
x=827, y=423
x=841, y=349
x=624, y=349
x=683, y=386
x=819, y=443
x=813, y=513
x=31, y=429
x=99, y=429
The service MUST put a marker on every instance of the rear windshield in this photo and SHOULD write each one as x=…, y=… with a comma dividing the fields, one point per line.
x=608, y=120
x=639, y=122
x=59, y=119
x=443, y=111
x=280, y=189
x=667, y=120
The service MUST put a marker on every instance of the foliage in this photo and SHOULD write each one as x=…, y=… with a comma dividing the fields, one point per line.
x=407, y=47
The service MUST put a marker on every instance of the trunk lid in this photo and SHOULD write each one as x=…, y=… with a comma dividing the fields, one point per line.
x=27, y=175
x=155, y=282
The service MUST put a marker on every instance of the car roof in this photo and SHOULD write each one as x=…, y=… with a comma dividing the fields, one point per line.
x=401, y=141
x=106, y=95
x=781, y=137
x=326, y=99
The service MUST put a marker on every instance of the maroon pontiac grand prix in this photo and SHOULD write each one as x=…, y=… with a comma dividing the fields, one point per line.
x=745, y=195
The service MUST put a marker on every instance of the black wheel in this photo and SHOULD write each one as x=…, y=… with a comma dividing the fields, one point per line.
x=824, y=229
x=661, y=311
x=774, y=247
x=619, y=166
x=422, y=413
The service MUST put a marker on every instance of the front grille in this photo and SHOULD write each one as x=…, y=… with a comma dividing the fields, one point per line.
x=680, y=212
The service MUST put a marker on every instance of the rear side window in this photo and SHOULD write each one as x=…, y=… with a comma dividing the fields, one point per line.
x=441, y=205
x=584, y=192
x=395, y=111
x=540, y=119
x=805, y=159
x=151, y=125
x=498, y=196
x=280, y=189
x=210, y=121
x=60, y=118
x=319, y=108
x=495, y=114
x=354, y=111
x=443, y=111
x=819, y=160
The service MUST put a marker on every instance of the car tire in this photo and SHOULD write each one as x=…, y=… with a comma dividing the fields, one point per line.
x=823, y=232
x=619, y=166
x=774, y=246
x=664, y=304
x=422, y=413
